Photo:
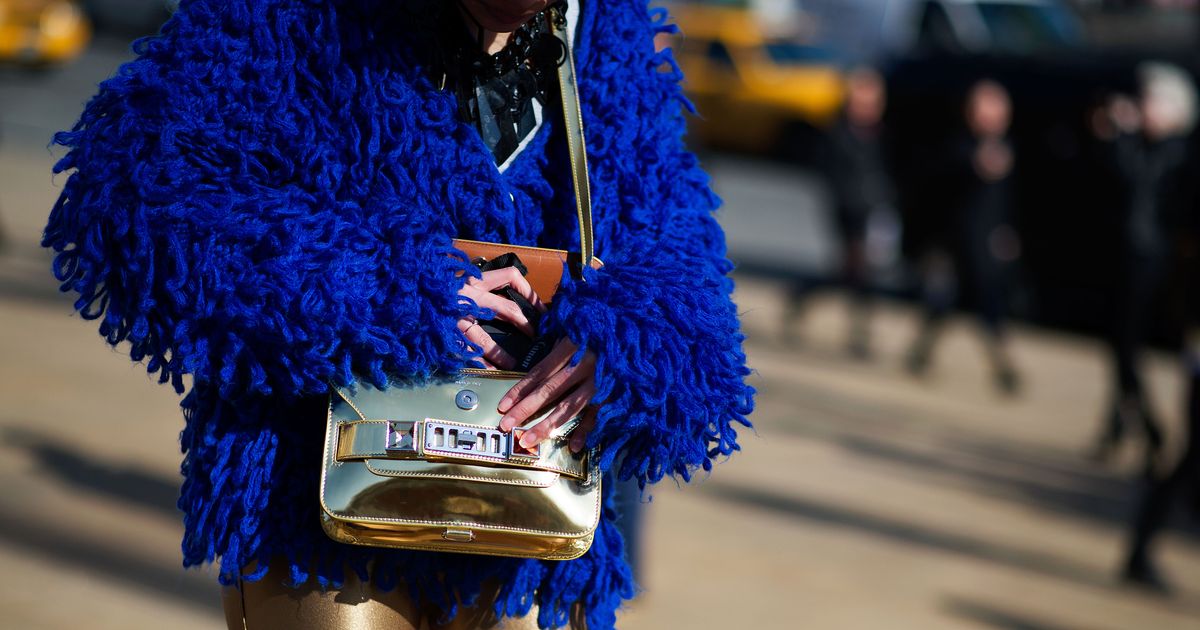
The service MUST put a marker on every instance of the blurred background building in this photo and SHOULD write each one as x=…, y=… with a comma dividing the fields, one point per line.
x=886, y=165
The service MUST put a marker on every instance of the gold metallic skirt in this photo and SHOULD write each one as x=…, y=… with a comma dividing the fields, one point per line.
x=267, y=604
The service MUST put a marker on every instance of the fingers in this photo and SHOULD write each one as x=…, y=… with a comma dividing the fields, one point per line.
x=581, y=432
x=550, y=390
x=509, y=277
x=551, y=364
x=504, y=308
x=493, y=354
x=569, y=407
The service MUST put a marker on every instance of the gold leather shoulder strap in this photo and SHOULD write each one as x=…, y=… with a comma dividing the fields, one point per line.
x=573, y=123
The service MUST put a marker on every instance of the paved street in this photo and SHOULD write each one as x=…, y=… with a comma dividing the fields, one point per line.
x=864, y=499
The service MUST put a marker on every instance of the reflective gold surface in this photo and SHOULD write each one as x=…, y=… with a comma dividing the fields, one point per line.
x=426, y=504
x=268, y=604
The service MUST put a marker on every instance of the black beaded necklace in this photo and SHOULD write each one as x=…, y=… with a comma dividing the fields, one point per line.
x=496, y=92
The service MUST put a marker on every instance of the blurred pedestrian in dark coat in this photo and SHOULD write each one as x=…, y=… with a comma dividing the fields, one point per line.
x=859, y=176
x=1146, y=148
x=970, y=243
x=1182, y=482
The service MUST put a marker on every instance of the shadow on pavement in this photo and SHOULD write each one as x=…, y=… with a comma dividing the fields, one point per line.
x=1006, y=473
x=26, y=274
x=907, y=533
x=65, y=546
x=123, y=483
x=992, y=617
x=922, y=536
x=1048, y=479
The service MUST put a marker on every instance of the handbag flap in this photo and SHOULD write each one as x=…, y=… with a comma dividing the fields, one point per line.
x=450, y=422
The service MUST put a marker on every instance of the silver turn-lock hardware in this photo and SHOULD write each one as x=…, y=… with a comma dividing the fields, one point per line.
x=467, y=400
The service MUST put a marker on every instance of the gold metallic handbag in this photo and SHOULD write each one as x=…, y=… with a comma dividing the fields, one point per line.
x=426, y=467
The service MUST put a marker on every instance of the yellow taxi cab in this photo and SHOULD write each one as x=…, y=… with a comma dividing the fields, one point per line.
x=42, y=32
x=754, y=90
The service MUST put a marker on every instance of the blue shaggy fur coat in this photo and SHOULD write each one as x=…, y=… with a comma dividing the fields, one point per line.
x=264, y=199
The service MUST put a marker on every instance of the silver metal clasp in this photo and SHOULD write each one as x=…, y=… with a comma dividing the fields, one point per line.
x=452, y=438
x=458, y=535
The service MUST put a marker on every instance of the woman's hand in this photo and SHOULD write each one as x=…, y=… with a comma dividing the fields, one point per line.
x=553, y=381
x=480, y=290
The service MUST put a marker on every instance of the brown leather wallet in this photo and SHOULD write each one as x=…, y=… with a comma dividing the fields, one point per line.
x=545, y=265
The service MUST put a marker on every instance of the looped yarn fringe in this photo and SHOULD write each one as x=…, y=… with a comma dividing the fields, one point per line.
x=264, y=201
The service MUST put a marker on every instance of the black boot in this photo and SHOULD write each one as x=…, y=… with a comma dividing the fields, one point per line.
x=1114, y=430
x=1004, y=372
x=858, y=344
x=1008, y=380
x=1151, y=428
x=920, y=354
x=1140, y=572
x=793, y=312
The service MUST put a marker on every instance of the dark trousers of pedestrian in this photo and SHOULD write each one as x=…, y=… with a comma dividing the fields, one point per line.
x=944, y=277
x=854, y=277
x=983, y=274
x=1138, y=283
x=1181, y=483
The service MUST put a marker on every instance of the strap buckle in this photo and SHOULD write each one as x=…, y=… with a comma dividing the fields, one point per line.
x=400, y=438
x=443, y=439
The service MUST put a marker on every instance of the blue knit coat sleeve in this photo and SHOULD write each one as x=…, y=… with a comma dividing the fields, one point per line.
x=205, y=223
x=670, y=371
